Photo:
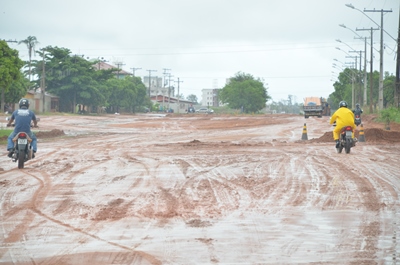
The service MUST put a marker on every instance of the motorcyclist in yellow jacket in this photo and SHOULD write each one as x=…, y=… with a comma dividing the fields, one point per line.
x=343, y=117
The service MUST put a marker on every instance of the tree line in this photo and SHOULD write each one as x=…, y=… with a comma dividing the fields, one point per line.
x=77, y=81
x=350, y=78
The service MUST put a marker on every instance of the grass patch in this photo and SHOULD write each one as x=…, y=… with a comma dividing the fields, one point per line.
x=4, y=133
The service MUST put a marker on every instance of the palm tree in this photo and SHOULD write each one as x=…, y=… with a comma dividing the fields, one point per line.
x=30, y=42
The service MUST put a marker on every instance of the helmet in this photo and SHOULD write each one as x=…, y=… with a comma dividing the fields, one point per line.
x=357, y=105
x=24, y=103
x=343, y=104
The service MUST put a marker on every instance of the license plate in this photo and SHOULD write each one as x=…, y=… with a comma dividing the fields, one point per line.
x=349, y=133
x=22, y=141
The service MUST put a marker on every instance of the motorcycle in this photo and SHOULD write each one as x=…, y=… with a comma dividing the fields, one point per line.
x=346, y=140
x=357, y=120
x=22, y=149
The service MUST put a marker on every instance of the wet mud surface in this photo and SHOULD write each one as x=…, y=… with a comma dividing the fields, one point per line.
x=201, y=189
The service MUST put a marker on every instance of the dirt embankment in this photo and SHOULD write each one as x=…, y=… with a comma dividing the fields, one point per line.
x=43, y=134
x=374, y=131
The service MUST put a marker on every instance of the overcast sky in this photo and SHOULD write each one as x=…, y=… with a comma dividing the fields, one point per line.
x=290, y=44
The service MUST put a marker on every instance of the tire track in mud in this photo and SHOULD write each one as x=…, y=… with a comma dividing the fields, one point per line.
x=381, y=171
x=365, y=182
x=160, y=179
x=40, y=196
x=17, y=233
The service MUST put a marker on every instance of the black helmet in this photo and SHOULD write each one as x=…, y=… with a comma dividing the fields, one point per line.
x=357, y=105
x=343, y=104
x=24, y=103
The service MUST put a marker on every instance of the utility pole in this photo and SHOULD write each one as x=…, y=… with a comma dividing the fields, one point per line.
x=100, y=60
x=74, y=100
x=164, y=85
x=134, y=69
x=169, y=89
x=364, y=97
x=365, y=71
x=179, y=106
x=397, y=91
x=371, y=81
x=150, y=80
x=43, y=83
x=118, y=66
x=380, y=98
x=353, y=97
x=358, y=95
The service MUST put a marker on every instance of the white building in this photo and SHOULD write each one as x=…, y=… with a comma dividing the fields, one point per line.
x=209, y=97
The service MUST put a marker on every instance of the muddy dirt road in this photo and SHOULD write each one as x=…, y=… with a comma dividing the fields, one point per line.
x=201, y=189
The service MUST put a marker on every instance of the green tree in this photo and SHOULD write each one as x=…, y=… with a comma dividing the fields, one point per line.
x=343, y=87
x=141, y=98
x=76, y=80
x=128, y=94
x=70, y=77
x=245, y=92
x=17, y=90
x=30, y=43
x=192, y=98
x=389, y=88
x=10, y=69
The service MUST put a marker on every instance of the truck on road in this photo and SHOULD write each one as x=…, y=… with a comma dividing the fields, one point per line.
x=316, y=106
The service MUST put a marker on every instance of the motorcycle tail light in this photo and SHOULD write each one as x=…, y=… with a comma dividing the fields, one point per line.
x=22, y=135
x=348, y=128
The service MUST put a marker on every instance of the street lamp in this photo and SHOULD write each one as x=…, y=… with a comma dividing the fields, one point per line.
x=345, y=44
x=352, y=79
x=362, y=12
x=353, y=50
x=380, y=98
x=337, y=48
x=339, y=61
x=365, y=61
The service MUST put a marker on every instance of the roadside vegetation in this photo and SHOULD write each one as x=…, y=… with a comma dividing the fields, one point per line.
x=389, y=115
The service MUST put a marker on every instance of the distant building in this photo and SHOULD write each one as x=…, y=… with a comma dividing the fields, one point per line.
x=119, y=73
x=157, y=87
x=165, y=103
x=209, y=97
x=51, y=103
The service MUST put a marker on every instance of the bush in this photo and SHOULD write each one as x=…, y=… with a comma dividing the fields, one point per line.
x=389, y=115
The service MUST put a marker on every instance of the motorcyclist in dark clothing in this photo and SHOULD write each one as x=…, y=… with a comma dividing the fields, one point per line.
x=23, y=118
x=357, y=114
x=357, y=110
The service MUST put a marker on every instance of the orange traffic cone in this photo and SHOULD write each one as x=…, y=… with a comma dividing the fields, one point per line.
x=361, y=137
x=304, y=135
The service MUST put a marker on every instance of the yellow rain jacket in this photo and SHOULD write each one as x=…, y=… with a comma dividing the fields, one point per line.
x=343, y=117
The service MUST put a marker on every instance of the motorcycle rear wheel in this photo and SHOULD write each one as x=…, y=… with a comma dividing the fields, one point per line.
x=348, y=146
x=21, y=159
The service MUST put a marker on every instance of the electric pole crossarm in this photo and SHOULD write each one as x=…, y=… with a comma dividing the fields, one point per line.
x=134, y=69
x=380, y=27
